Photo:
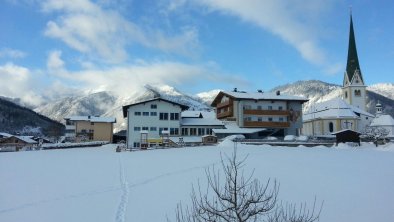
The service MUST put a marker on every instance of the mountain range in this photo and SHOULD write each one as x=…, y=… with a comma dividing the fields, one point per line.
x=16, y=119
x=107, y=103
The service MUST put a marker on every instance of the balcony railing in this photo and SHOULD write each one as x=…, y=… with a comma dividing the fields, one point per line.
x=266, y=124
x=267, y=112
x=70, y=127
x=224, y=114
x=224, y=104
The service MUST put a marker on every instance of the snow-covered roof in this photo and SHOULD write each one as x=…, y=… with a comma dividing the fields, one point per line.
x=334, y=108
x=6, y=135
x=345, y=130
x=199, y=118
x=263, y=96
x=383, y=120
x=26, y=139
x=233, y=128
x=95, y=119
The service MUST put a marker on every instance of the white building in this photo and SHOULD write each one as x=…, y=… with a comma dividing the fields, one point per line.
x=152, y=116
x=334, y=115
x=264, y=113
x=383, y=121
x=199, y=123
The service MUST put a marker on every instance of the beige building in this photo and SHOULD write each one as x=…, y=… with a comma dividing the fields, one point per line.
x=89, y=128
x=258, y=114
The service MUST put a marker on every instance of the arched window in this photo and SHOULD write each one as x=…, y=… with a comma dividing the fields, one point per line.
x=357, y=92
x=331, y=127
x=346, y=95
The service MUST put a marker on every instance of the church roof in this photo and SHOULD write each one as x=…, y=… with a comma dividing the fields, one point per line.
x=335, y=108
x=352, y=59
x=383, y=120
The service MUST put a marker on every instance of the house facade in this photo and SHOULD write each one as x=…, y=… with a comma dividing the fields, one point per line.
x=89, y=128
x=152, y=117
x=264, y=113
x=16, y=143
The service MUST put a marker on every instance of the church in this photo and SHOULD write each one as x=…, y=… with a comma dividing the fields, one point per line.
x=348, y=112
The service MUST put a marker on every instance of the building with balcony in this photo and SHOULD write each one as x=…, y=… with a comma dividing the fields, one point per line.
x=89, y=128
x=259, y=114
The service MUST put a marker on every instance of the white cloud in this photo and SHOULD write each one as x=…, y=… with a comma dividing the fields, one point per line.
x=292, y=21
x=17, y=82
x=11, y=53
x=54, y=61
x=106, y=34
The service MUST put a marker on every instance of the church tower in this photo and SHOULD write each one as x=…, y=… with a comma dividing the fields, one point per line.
x=354, y=89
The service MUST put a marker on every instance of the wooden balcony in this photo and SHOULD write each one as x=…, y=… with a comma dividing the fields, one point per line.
x=224, y=104
x=266, y=112
x=224, y=114
x=266, y=124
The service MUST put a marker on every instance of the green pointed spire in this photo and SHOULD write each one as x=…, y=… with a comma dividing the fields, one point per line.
x=352, y=58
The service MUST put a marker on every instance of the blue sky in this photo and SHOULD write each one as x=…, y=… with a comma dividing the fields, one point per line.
x=52, y=48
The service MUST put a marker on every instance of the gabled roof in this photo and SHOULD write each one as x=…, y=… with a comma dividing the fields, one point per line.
x=383, y=120
x=256, y=96
x=183, y=107
x=200, y=118
x=345, y=131
x=5, y=135
x=94, y=119
x=352, y=59
x=334, y=108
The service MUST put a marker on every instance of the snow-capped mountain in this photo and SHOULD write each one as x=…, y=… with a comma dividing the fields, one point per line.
x=318, y=91
x=110, y=104
x=384, y=89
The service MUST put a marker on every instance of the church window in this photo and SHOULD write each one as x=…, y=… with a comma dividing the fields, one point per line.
x=331, y=127
x=346, y=95
x=357, y=92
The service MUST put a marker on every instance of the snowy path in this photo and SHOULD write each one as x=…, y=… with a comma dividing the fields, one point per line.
x=124, y=188
x=124, y=199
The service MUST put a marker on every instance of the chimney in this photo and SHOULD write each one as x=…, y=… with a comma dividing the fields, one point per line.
x=278, y=92
x=235, y=90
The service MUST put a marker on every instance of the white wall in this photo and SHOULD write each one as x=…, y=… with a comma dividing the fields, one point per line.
x=133, y=121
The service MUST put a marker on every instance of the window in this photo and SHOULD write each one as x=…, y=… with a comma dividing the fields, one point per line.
x=163, y=116
x=137, y=128
x=248, y=118
x=269, y=107
x=193, y=131
x=174, y=116
x=280, y=108
x=331, y=127
x=270, y=119
x=136, y=144
x=185, y=131
x=346, y=95
x=145, y=113
x=153, y=128
x=259, y=107
x=145, y=128
x=247, y=107
x=92, y=123
x=161, y=130
x=208, y=131
x=201, y=131
x=174, y=131
x=281, y=119
x=259, y=119
x=153, y=106
x=153, y=113
x=137, y=113
x=357, y=92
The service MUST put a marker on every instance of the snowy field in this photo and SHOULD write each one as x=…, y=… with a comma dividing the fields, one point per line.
x=98, y=184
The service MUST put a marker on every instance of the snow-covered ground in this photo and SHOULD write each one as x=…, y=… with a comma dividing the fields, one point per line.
x=98, y=184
